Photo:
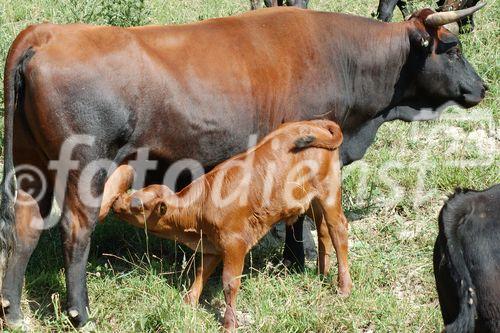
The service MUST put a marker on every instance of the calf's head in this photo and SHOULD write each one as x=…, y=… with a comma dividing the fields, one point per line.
x=440, y=72
x=145, y=204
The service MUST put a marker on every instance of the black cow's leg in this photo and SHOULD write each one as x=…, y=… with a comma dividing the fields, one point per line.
x=254, y=4
x=28, y=227
x=386, y=9
x=403, y=7
x=77, y=225
x=293, y=254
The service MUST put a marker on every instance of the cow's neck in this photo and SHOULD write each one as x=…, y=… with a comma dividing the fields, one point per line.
x=377, y=80
x=375, y=68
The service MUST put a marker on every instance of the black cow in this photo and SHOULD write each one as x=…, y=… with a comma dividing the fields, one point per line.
x=467, y=261
x=254, y=4
x=386, y=9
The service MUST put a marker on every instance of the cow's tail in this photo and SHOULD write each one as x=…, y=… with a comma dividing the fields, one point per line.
x=321, y=139
x=455, y=213
x=14, y=92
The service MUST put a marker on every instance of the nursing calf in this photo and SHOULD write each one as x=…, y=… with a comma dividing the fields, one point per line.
x=223, y=214
x=467, y=261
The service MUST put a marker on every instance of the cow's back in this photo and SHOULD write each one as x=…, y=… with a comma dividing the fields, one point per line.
x=189, y=91
x=467, y=259
x=481, y=239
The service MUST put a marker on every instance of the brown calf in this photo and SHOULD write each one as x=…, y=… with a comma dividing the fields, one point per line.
x=292, y=171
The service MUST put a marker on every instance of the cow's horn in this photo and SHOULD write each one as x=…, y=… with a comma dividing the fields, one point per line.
x=442, y=18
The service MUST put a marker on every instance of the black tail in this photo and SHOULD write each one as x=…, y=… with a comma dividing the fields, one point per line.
x=304, y=142
x=14, y=96
x=330, y=139
x=455, y=213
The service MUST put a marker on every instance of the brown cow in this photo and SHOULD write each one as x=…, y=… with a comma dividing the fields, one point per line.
x=223, y=214
x=199, y=91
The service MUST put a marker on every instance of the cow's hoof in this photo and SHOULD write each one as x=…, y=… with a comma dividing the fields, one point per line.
x=16, y=324
x=88, y=327
x=77, y=318
x=12, y=317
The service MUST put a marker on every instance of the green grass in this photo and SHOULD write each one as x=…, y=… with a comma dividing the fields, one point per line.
x=391, y=237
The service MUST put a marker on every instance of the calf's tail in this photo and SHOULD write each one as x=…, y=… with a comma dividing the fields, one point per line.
x=321, y=139
x=451, y=218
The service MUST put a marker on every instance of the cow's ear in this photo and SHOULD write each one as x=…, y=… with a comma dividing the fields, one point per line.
x=421, y=39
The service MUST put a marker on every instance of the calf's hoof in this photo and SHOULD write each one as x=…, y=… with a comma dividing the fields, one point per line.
x=345, y=289
x=230, y=326
x=191, y=299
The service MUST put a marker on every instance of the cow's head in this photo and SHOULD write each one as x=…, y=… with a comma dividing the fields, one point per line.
x=441, y=74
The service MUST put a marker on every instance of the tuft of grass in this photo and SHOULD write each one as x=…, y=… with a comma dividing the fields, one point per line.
x=392, y=219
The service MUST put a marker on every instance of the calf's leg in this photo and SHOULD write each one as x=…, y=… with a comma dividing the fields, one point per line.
x=338, y=230
x=209, y=263
x=325, y=247
x=233, y=261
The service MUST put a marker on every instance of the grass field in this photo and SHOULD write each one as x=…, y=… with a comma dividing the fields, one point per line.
x=391, y=197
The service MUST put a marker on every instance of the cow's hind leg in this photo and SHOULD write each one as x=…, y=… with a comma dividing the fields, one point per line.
x=77, y=224
x=28, y=227
x=28, y=222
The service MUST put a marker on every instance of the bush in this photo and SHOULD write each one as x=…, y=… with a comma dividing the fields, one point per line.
x=123, y=13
